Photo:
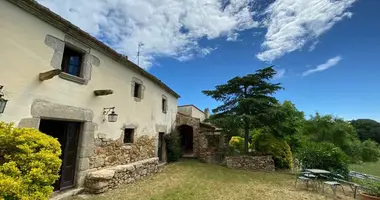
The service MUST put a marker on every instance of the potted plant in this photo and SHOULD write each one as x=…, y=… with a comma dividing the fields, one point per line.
x=371, y=190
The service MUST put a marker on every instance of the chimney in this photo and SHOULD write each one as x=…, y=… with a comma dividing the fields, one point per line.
x=207, y=113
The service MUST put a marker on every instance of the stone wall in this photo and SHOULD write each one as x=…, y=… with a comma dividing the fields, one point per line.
x=182, y=119
x=250, y=162
x=102, y=180
x=115, y=152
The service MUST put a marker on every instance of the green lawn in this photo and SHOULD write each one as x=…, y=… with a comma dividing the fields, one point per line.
x=191, y=180
x=367, y=168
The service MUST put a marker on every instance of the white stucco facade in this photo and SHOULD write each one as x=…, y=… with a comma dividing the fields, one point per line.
x=23, y=55
x=192, y=111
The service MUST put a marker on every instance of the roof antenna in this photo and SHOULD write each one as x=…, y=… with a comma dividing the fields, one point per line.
x=138, y=52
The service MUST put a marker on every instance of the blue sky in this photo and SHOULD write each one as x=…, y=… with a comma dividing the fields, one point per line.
x=327, y=52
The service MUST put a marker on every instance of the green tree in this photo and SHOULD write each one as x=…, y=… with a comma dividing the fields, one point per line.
x=230, y=126
x=247, y=99
x=330, y=129
x=367, y=129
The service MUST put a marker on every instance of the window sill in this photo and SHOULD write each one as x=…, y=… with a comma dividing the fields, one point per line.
x=137, y=99
x=72, y=78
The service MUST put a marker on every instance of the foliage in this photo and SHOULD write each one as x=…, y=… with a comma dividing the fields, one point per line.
x=268, y=144
x=173, y=146
x=371, y=187
x=367, y=129
x=286, y=120
x=237, y=143
x=230, y=126
x=323, y=155
x=333, y=130
x=330, y=129
x=29, y=163
x=370, y=151
x=247, y=99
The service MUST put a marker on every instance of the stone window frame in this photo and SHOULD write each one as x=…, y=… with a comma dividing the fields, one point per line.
x=164, y=105
x=140, y=95
x=88, y=60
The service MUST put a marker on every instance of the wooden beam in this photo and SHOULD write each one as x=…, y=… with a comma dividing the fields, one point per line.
x=49, y=74
x=103, y=92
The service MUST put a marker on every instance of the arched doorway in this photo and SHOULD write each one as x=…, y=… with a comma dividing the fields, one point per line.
x=186, y=137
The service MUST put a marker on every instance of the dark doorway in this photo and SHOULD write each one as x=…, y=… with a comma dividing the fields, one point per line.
x=161, y=143
x=67, y=134
x=186, y=134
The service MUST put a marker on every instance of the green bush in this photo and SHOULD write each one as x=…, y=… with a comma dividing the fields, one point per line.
x=354, y=152
x=29, y=163
x=324, y=156
x=370, y=151
x=279, y=149
x=237, y=144
x=370, y=187
x=173, y=146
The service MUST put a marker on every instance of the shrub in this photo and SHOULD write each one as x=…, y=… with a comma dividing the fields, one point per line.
x=324, y=156
x=173, y=147
x=354, y=151
x=370, y=152
x=279, y=149
x=370, y=187
x=29, y=163
x=237, y=144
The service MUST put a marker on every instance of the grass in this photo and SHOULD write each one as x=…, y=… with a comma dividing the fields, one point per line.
x=191, y=180
x=367, y=168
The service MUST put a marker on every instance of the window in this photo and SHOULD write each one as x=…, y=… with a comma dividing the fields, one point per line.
x=72, y=61
x=128, y=135
x=137, y=90
x=164, y=105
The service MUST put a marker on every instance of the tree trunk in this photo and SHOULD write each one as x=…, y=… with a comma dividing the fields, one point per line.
x=246, y=138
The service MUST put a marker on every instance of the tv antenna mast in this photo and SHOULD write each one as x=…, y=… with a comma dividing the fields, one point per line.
x=138, y=52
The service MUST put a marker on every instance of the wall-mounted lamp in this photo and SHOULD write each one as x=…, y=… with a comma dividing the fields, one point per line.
x=112, y=117
x=3, y=102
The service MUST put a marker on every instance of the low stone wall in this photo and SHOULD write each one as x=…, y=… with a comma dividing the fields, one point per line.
x=250, y=162
x=114, y=152
x=102, y=180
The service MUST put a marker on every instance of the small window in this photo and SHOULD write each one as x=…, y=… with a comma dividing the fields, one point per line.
x=164, y=105
x=128, y=135
x=137, y=90
x=72, y=61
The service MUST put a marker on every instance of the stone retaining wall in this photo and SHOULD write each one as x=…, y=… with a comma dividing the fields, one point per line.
x=102, y=180
x=250, y=162
x=114, y=152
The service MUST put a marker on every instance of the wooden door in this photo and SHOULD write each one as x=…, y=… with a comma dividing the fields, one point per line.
x=69, y=154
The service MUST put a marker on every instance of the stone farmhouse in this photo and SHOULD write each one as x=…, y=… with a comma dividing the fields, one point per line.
x=109, y=115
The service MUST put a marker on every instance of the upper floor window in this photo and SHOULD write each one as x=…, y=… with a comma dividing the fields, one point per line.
x=137, y=90
x=72, y=61
x=164, y=104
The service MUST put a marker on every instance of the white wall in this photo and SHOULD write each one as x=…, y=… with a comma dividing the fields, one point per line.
x=192, y=111
x=23, y=55
x=197, y=114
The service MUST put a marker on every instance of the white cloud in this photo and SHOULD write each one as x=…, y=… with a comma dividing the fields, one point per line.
x=293, y=23
x=313, y=45
x=280, y=73
x=170, y=28
x=330, y=63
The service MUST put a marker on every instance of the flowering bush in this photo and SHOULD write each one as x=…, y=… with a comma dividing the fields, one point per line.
x=237, y=143
x=29, y=163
